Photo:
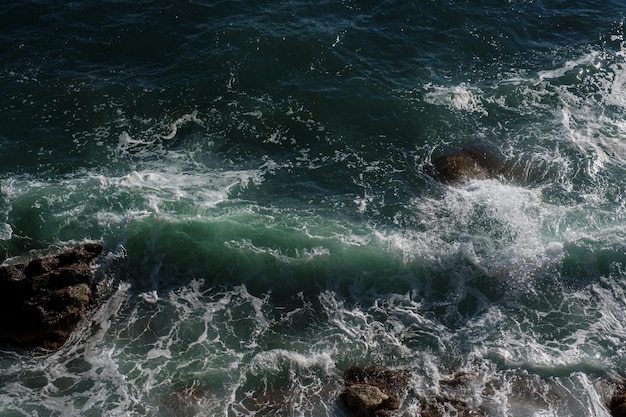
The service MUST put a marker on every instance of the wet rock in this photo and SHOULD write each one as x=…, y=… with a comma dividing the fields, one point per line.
x=617, y=405
x=442, y=407
x=42, y=300
x=391, y=381
x=467, y=164
x=457, y=380
x=373, y=391
x=448, y=402
x=365, y=400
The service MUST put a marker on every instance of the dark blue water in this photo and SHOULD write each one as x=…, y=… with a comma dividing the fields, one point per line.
x=260, y=176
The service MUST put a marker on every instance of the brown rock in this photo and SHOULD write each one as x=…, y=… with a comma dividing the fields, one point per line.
x=365, y=400
x=390, y=381
x=456, y=380
x=617, y=406
x=41, y=300
x=373, y=391
x=467, y=164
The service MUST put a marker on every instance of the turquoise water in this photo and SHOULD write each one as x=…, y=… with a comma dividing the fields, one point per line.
x=259, y=176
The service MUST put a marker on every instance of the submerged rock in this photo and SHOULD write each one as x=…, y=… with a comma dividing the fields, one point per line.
x=467, y=164
x=43, y=299
x=274, y=402
x=187, y=401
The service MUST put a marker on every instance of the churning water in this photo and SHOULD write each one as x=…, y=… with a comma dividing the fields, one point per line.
x=258, y=173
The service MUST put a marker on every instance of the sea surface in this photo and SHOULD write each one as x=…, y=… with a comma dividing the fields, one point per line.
x=259, y=174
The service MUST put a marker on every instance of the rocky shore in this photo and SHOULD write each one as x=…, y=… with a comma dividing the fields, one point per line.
x=617, y=404
x=42, y=299
x=378, y=392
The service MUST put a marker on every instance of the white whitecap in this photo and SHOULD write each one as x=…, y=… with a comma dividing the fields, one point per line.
x=196, y=190
x=458, y=97
x=568, y=66
x=6, y=232
x=501, y=228
x=184, y=119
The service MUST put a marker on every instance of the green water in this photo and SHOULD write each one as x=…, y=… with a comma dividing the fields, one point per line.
x=260, y=177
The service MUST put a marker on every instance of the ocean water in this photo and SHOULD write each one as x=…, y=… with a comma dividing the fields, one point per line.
x=258, y=173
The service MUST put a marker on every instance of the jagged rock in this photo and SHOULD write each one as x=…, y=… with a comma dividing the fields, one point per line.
x=377, y=391
x=390, y=381
x=447, y=402
x=456, y=380
x=448, y=407
x=467, y=164
x=365, y=400
x=41, y=300
x=617, y=406
x=373, y=391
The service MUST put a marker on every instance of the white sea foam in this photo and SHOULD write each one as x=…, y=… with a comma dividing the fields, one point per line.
x=579, y=349
x=112, y=201
x=192, y=117
x=162, y=187
x=570, y=65
x=272, y=360
x=125, y=140
x=459, y=97
x=498, y=227
x=589, y=107
x=6, y=232
x=200, y=190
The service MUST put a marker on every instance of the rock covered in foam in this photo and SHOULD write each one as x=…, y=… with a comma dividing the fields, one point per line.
x=42, y=300
x=447, y=402
x=441, y=407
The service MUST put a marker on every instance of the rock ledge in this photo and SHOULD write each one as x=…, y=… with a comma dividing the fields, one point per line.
x=42, y=300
